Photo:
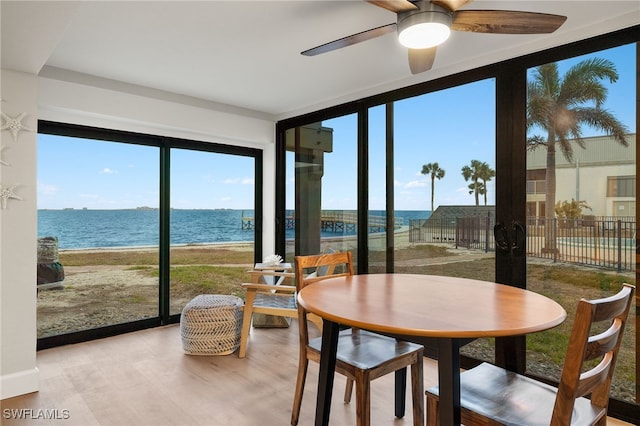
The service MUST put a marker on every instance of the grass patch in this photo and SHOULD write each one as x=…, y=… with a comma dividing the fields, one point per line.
x=187, y=281
x=419, y=251
x=179, y=256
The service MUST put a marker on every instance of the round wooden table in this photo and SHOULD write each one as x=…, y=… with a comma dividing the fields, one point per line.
x=419, y=308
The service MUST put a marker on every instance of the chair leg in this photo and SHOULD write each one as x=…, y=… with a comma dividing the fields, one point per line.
x=433, y=418
x=348, y=390
x=300, y=381
x=400, y=392
x=363, y=398
x=246, y=323
x=417, y=392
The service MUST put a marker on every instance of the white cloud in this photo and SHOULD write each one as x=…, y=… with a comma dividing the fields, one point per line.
x=240, y=181
x=416, y=184
x=46, y=189
x=107, y=171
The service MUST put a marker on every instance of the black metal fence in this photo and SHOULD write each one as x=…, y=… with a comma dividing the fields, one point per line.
x=474, y=232
x=596, y=241
x=606, y=242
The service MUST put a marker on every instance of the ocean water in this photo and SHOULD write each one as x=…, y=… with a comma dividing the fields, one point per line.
x=82, y=229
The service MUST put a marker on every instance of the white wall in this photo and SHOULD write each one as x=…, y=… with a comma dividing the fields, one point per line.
x=101, y=105
x=592, y=186
x=18, y=372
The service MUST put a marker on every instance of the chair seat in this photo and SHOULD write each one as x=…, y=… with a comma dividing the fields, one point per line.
x=275, y=301
x=366, y=350
x=512, y=399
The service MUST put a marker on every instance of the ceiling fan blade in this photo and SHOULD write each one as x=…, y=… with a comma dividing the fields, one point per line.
x=506, y=22
x=451, y=5
x=396, y=6
x=421, y=60
x=349, y=40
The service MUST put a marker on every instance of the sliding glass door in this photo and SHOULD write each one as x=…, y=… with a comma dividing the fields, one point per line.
x=212, y=224
x=131, y=227
x=581, y=197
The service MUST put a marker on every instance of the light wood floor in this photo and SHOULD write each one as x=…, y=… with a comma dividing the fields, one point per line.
x=144, y=378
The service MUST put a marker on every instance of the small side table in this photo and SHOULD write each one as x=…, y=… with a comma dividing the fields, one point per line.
x=272, y=275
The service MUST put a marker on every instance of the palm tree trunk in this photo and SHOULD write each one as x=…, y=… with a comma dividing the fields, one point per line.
x=475, y=183
x=550, y=198
x=432, y=189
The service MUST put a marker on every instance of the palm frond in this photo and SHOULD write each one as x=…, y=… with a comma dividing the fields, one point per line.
x=603, y=119
x=583, y=82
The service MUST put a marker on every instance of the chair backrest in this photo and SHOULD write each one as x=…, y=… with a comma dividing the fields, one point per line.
x=314, y=268
x=590, y=345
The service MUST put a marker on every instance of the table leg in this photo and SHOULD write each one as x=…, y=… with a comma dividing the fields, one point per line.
x=449, y=381
x=400, y=392
x=330, y=331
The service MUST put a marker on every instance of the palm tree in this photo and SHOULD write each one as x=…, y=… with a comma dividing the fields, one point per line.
x=472, y=173
x=560, y=106
x=436, y=172
x=485, y=174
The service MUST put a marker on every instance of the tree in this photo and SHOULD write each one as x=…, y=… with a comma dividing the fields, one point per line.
x=570, y=209
x=478, y=171
x=485, y=173
x=436, y=172
x=560, y=107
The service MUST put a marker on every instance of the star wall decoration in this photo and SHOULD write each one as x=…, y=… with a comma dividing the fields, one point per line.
x=6, y=193
x=15, y=125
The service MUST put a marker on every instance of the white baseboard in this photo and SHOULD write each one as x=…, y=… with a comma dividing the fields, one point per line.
x=19, y=383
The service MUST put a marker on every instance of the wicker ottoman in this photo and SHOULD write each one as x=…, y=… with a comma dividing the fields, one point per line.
x=210, y=324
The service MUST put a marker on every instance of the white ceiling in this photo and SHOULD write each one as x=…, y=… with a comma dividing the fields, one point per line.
x=246, y=54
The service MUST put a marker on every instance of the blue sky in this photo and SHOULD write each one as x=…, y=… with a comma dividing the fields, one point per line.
x=77, y=173
x=451, y=127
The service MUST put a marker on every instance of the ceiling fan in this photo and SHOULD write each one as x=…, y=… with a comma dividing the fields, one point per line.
x=422, y=25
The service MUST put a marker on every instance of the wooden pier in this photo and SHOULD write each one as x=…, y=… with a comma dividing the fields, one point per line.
x=337, y=222
x=247, y=222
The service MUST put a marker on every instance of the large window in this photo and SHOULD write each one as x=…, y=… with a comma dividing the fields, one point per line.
x=212, y=212
x=131, y=227
x=322, y=190
x=581, y=234
x=444, y=163
x=98, y=229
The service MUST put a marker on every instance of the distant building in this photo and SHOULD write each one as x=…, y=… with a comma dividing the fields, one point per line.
x=603, y=175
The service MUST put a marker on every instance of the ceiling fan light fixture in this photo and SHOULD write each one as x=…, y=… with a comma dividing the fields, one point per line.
x=423, y=36
x=427, y=27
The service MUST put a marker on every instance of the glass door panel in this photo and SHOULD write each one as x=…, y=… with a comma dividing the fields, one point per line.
x=581, y=197
x=444, y=150
x=324, y=177
x=212, y=227
x=98, y=227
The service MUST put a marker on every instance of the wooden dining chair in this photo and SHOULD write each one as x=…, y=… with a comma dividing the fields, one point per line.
x=362, y=356
x=262, y=298
x=490, y=395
